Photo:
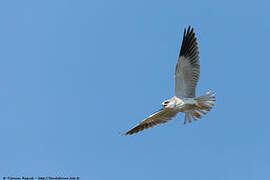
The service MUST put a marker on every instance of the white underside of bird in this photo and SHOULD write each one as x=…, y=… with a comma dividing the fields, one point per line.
x=193, y=107
x=187, y=74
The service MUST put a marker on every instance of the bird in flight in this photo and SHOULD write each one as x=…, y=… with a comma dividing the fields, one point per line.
x=187, y=74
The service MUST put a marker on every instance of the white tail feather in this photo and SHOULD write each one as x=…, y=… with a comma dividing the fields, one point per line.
x=205, y=104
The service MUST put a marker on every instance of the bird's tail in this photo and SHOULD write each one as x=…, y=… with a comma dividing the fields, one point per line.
x=204, y=104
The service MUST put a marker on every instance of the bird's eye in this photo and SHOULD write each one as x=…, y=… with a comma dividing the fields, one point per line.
x=166, y=102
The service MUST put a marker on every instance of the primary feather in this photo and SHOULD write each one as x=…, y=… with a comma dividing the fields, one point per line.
x=187, y=71
x=160, y=117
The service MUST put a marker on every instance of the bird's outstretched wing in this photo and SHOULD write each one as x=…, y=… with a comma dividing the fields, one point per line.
x=162, y=116
x=187, y=71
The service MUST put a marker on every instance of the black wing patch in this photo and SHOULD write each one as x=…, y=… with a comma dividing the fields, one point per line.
x=189, y=46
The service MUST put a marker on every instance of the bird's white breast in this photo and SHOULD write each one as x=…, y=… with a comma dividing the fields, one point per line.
x=183, y=104
x=189, y=101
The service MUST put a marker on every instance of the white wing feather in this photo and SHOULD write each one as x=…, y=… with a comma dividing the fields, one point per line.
x=160, y=117
x=187, y=71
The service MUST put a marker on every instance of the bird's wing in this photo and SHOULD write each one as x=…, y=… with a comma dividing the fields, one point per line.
x=187, y=71
x=159, y=117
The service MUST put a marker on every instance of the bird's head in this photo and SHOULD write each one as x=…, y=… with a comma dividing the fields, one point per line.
x=168, y=104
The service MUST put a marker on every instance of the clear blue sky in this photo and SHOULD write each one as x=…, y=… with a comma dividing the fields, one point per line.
x=74, y=74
